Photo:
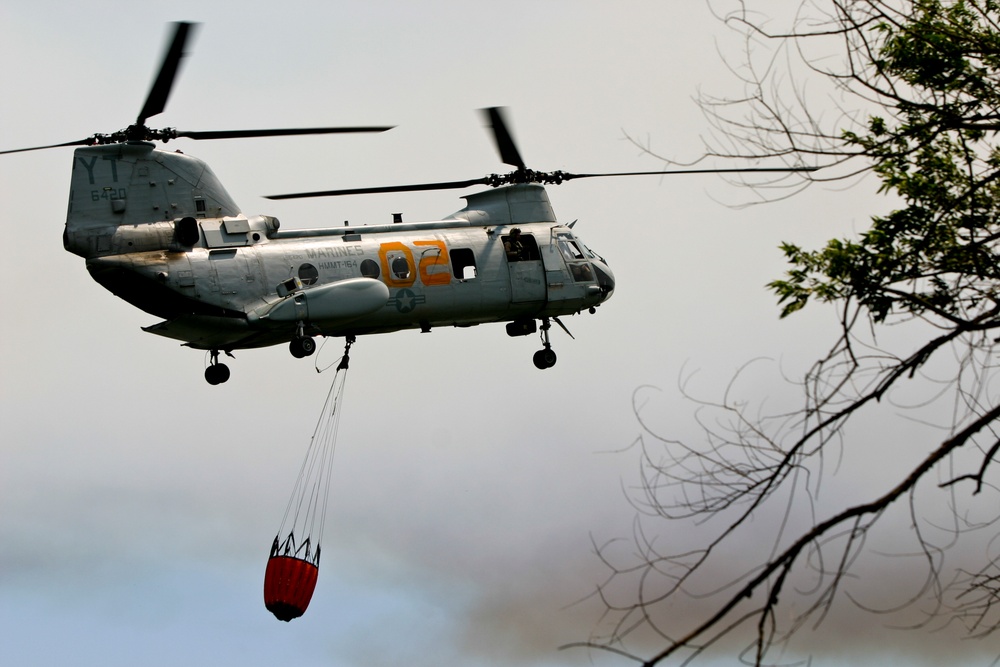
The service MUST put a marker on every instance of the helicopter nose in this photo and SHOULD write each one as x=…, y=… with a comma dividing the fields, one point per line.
x=605, y=279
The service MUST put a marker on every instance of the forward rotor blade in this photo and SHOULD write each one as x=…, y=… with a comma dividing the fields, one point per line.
x=495, y=180
x=243, y=134
x=78, y=142
x=672, y=172
x=417, y=187
x=156, y=101
x=505, y=142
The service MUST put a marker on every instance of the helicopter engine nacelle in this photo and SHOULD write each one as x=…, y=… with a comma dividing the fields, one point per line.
x=339, y=301
x=115, y=240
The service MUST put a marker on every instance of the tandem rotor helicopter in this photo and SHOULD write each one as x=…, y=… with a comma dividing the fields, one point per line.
x=158, y=229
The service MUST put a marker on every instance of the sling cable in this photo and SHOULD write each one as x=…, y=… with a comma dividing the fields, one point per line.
x=293, y=566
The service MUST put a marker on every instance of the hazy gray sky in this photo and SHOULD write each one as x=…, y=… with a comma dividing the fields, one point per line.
x=137, y=503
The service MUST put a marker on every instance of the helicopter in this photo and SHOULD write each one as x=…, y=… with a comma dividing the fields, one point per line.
x=157, y=228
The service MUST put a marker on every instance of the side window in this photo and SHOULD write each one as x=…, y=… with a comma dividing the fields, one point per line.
x=528, y=250
x=308, y=274
x=400, y=267
x=370, y=269
x=463, y=262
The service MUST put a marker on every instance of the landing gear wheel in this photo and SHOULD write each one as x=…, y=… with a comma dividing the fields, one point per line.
x=217, y=373
x=302, y=346
x=545, y=358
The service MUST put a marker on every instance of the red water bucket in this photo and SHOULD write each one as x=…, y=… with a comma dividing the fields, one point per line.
x=289, y=583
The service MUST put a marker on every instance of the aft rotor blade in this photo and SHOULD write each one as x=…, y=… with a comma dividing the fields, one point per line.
x=670, y=172
x=505, y=142
x=243, y=134
x=156, y=101
x=78, y=142
x=416, y=187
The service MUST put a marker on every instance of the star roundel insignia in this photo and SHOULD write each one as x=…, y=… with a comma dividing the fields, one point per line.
x=406, y=301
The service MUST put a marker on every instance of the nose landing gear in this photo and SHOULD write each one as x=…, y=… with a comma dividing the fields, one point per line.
x=545, y=357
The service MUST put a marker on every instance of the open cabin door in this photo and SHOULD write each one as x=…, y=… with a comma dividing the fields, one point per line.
x=527, y=275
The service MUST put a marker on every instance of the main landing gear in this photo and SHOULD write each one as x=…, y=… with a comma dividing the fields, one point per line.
x=302, y=345
x=216, y=372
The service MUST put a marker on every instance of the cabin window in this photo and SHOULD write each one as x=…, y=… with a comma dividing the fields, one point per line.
x=463, y=263
x=400, y=267
x=396, y=260
x=370, y=268
x=308, y=274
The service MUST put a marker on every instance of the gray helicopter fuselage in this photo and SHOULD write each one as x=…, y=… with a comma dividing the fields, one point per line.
x=158, y=229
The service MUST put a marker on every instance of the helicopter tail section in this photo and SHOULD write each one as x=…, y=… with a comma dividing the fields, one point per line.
x=135, y=185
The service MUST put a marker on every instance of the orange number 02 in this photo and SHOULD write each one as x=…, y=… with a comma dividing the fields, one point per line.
x=434, y=259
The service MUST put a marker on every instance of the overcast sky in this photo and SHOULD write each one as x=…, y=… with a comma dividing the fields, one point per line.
x=138, y=503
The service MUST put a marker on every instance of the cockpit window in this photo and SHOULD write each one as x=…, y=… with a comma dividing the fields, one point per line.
x=569, y=249
x=582, y=272
x=575, y=259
